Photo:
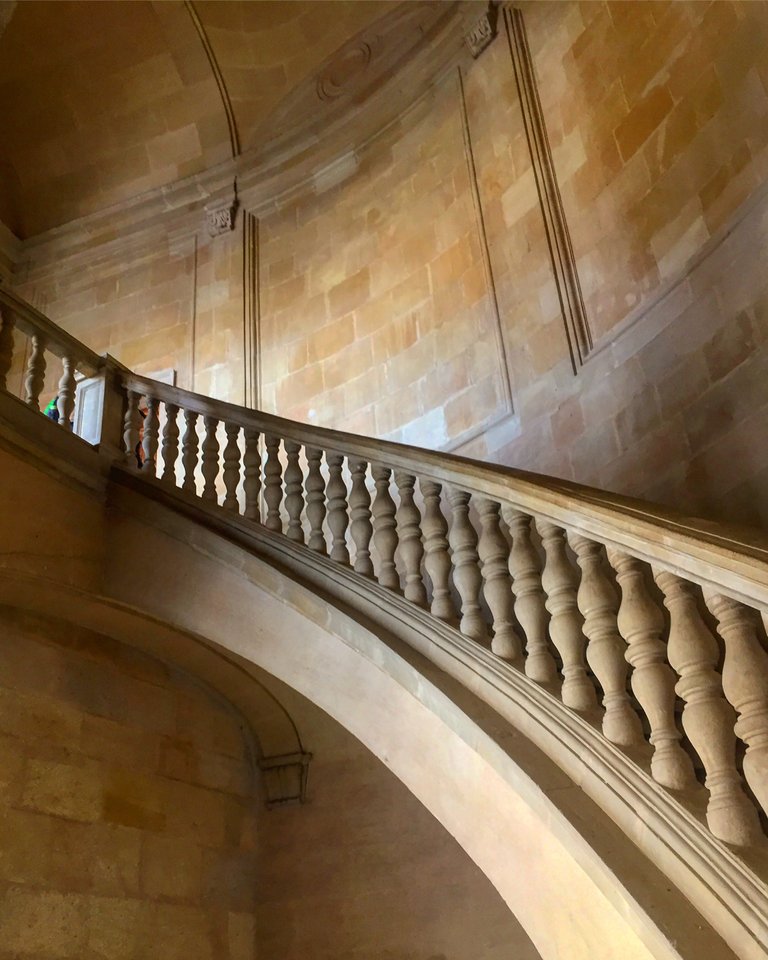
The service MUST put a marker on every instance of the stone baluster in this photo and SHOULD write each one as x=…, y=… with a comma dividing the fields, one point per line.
x=294, y=498
x=231, y=466
x=170, y=445
x=315, y=487
x=252, y=479
x=65, y=403
x=35, y=375
x=707, y=718
x=361, y=527
x=189, y=452
x=273, y=484
x=606, y=650
x=338, y=518
x=210, y=459
x=745, y=684
x=409, y=532
x=641, y=623
x=559, y=582
x=437, y=559
x=131, y=425
x=530, y=608
x=466, y=565
x=7, y=326
x=151, y=438
x=384, y=529
x=497, y=587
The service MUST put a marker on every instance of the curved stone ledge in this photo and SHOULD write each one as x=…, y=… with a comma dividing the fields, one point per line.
x=474, y=780
x=727, y=891
x=503, y=765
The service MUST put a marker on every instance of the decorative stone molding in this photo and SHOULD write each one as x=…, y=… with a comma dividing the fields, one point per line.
x=181, y=242
x=558, y=235
x=502, y=354
x=251, y=311
x=226, y=102
x=333, y=174
x=483, y=32
x=285, y=778
x=281, y=163
x=220, y=218
x=342, y=72
x=270, y=568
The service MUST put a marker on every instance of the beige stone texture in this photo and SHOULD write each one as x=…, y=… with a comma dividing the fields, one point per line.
x=646, y=86
x=102, y=852
x=362, y=840
x=374, y=304
x=62, y=790
x=390, y=257
x=445, y=760
x=158, y=115
x=78, y=556
x=453, y=722
x=390, y=287
x=660, y=82
x=110, y=849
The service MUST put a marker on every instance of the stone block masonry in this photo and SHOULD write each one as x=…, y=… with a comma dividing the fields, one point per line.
x=131, y=825
x=127, y=795
x=406, y=298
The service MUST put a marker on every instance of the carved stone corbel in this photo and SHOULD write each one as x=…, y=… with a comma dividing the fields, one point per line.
x=220, y=217
x=483, y=32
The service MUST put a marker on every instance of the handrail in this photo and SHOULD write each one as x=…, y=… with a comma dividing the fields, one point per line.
x=571, y=596
x=59, y=342
x=701, y=549
x=466, y=541
x=589, y=594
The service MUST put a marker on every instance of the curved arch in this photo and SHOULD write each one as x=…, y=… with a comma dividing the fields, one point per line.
x=536, y=840
x=245, y=687
x=575, y=878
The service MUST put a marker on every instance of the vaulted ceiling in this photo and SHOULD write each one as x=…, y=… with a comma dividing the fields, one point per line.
x=103, y=101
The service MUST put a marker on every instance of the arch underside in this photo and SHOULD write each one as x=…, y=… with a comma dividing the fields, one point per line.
x=492, y=790
x=461, y=730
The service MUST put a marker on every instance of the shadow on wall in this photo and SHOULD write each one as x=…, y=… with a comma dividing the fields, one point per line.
x=131, y=821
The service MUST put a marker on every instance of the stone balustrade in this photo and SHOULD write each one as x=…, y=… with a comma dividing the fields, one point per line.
x=633, y=637
x=29, y=343
x=598, y=601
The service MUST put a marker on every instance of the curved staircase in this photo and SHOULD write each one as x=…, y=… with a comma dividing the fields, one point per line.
x=575, y=683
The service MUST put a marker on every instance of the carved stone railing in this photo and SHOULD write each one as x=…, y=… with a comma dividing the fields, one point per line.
x=648, y=629
x=646, y=624
x=29, y=341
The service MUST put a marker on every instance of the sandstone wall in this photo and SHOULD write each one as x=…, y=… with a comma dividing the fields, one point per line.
x=645, y=105
x=163, y=302
x=363, y=871
x=656, y=114
x=408, y=290
x=376, y=311
x=128, y=819
x=132, y=827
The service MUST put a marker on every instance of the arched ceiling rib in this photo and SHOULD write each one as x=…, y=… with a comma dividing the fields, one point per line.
x=247, y=687
x=103, y=101
x=99, y=105
x=266, y=49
